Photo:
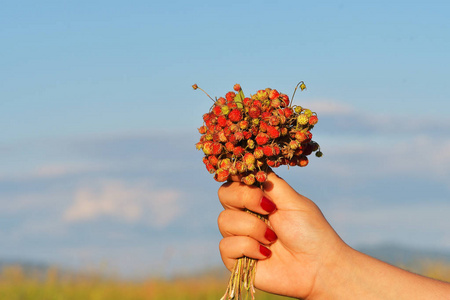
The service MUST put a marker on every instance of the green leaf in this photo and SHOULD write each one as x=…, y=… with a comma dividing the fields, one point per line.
x=239, y=99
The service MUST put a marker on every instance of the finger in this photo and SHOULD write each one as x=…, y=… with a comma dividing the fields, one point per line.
x=240, y=223
x=234, y=247
x=238, y=196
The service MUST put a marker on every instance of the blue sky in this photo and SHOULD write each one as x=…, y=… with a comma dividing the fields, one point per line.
x=98, y=122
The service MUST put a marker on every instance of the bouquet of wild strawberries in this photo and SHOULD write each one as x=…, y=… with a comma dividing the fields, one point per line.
x=247, y=136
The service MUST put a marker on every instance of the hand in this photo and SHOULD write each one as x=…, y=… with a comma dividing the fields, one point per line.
x=302, y=243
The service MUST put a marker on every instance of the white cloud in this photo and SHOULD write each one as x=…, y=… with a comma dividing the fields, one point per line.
x=130, y=202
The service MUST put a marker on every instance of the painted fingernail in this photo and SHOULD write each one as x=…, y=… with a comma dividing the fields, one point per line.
x=267, y=205
x=270, y=235
x=265, y=251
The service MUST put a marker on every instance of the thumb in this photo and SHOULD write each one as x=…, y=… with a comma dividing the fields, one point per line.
x=282, y=194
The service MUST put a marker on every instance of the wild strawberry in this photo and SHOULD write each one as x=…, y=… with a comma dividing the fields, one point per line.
x=222, y=121
x=250, y=144
x=232, y=105
x=262, y=138
x=199, y=146
x=225, y=164
x=239, y=135
x=233, y=170
x=307, y=112
x=288, y=112
x=243, y=124
x=275, y=103
x=229, y=147
x=230, y=96
x=276, y=150
x=249, y=159
x=273, y=132
x=271, y=163
x=235, y=115
x=238, y=151
x=266, y=115
x=262, y=95
x=240, y=166
x=213, y=160
x=284, y=99
x=254, y=112
x=232, y=139
x=217, y=110
x=208, y=148
x=268, y=151
x=313, y=120
x=274, y=120
x=302, y=119
x=293, y=144
x=221, y=175
x=210, y=168
x=234, y=128
x=221, y=101
x=202, y=129
x=261, y=176
x=217, y=148
x=249, y=179
x=222, y=137
x=247, y=134
x=300, y=136
x=273, y=94
x=302, y=161
x=263, y=126
x=258, y=153
x=298, y=109
x=247, y=101
x=257, y=103
x=237, y=87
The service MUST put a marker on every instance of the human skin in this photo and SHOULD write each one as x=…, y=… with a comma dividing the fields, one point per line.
x=307, y=259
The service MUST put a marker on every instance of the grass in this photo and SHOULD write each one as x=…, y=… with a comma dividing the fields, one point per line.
x=17, y=284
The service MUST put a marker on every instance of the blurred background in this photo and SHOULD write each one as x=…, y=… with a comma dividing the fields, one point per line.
x=98, y=123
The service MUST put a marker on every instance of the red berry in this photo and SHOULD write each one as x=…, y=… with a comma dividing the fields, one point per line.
x=230, y=96
x=261, y=176
x=303, y=161
x=221, y=175
x=313, y=120
x=235, y=115
x=249, y=179
x=237, y=87
x=254, y=112
x=273, y=94
x=238, y=151
x=284, y=99
x=249, y=159
x=258, y=153
x=262, y=138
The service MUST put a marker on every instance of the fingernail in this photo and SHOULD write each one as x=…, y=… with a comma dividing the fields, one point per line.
x=267, y=205
x=270, y=235
x=265, y=251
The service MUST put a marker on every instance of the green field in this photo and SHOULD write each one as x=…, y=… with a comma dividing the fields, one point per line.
x=17, y=284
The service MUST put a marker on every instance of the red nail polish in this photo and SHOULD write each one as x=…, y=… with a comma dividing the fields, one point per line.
x=265, y=251
x=270, y=235
x=267, y=205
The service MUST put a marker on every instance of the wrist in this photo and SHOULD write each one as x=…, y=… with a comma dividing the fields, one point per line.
x=334, y=274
